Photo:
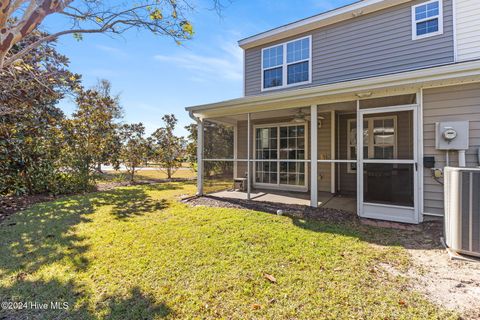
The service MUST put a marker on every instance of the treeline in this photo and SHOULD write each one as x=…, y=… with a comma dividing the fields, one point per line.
x=44, y=151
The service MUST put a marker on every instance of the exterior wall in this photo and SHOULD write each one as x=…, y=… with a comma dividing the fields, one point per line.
x=346, y=181
x=467, y=29
x=324, y=151
x=444, y=104
x=370, y=45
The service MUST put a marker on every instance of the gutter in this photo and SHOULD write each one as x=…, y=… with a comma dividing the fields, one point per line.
x=416, y=77
x=192, y=116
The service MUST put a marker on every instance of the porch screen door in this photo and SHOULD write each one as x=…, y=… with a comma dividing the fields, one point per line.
x=387, y=166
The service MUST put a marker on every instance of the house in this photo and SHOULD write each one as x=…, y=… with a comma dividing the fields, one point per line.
x=388, y=71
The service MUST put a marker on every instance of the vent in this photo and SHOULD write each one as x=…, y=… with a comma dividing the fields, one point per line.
x=462, y=210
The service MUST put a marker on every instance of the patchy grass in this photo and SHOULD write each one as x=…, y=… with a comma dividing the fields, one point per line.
x=137, y=253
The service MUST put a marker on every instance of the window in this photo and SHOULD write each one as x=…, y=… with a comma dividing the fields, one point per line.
x=275, y=146
x=427, y=19
x=379, y=139
x=287, y=64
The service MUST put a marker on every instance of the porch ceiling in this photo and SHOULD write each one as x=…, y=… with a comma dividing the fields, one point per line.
x=395, y=84
x=349, y=106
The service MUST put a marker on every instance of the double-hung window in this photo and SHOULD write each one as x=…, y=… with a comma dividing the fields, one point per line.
x=427, y=19
x=287, y=64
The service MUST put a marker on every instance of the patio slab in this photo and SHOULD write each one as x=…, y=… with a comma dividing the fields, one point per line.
x=325, y=199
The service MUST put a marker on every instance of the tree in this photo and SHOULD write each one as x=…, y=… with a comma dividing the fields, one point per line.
x=191, y=147
x=218, y=143
x=40, y=78
x=30, y=123
x=168, y=148
x=134, y=150
x=19, y=18
x=91, y=135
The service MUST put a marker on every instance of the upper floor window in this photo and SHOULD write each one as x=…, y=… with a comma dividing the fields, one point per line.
x=287, y=64
x=427, y=19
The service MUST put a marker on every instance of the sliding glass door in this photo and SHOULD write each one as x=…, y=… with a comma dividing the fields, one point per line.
x=280, y=154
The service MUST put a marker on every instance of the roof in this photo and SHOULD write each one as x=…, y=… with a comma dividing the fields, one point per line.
x=449, y=74
x=329, y=17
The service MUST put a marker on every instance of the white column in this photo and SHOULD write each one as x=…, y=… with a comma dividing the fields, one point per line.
x=200, y=157
x=235, y=150
x=249, y=170
x=313, y=156
x=333, y=152
x=359, y=161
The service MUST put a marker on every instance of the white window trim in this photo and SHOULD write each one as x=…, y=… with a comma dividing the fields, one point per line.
x=285, y=65
x=371, y=142
x=278, y=185
x=439, y=17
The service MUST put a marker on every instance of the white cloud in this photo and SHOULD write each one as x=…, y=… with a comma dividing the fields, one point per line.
x=112, y=51
x=226, y=65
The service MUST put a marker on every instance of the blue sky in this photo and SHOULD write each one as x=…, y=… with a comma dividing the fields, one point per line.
x=154, y=76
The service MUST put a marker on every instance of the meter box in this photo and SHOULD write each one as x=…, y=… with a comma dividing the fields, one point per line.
x=451, y=135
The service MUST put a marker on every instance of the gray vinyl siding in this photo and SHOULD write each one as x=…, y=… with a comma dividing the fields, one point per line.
x=346, y=181
x=324, y=152
x=370, y=45
x=448, y=104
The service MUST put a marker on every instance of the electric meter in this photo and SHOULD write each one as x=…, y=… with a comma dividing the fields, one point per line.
x=449, y=134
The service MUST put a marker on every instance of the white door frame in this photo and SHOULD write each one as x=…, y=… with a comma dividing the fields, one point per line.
x=385, y=211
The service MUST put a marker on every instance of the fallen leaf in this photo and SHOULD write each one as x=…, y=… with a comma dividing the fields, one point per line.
x=21, y=276
x=270, y=278
x=256, y=306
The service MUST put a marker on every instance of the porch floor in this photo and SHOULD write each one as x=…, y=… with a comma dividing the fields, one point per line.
x=325, y=199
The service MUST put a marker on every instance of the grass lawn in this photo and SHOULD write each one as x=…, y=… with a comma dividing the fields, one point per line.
x=137, y=253
x=182, y=173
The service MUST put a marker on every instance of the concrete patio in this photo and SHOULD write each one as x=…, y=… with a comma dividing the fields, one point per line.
x=325, y=199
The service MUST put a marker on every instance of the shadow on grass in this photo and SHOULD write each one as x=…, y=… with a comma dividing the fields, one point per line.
x=45, y=234
x=55, y=300
x=131, y=202
x=40, y=236
x=137, y=306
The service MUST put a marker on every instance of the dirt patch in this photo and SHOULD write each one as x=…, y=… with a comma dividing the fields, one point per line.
x=451, y=284
x=11, y=204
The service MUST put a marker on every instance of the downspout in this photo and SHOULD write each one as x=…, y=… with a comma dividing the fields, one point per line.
x=199, y=152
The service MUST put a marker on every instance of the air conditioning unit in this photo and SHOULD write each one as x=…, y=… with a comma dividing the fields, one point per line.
x=462, y=210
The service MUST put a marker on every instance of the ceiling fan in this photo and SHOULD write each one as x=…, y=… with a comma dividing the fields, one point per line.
x=300, y=116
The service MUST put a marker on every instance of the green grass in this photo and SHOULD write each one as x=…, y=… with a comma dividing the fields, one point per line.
x=183, y=173
x=138, y=253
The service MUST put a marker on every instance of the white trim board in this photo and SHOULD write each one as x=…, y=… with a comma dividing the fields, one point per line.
x=330, y=17
x=415, y=22
x=278, y=185
x=411, y=81
x=285, y=64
